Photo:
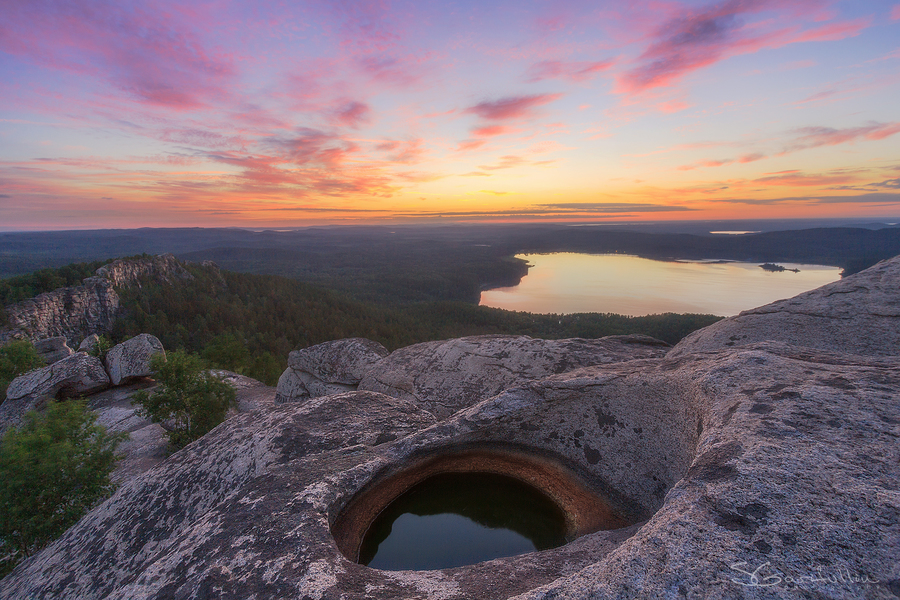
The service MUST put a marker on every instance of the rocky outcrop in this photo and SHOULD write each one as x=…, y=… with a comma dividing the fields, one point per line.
x=76, y=375
x=129, y=360
x=72, y=312
x=448, y=375
x=79, y=311
x=859, y=314
x=725, y=455
x=128, y=272
x=328, y=368
x=53, y=349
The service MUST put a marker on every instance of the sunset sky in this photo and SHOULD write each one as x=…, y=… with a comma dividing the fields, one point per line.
x=285, y=114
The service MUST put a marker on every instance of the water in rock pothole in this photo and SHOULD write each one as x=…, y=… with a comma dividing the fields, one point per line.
x=456, y=519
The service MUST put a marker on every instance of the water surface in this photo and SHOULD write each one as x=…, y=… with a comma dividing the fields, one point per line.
x=565, y=283
x=457, y=519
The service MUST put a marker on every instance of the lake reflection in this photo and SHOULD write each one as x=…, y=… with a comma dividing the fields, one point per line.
x=566, y=283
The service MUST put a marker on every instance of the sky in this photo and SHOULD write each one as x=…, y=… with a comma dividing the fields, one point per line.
x=289, y=114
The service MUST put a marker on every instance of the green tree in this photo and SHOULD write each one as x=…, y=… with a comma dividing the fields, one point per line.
x=53, y=469
x=189, y=401
x=16, y=357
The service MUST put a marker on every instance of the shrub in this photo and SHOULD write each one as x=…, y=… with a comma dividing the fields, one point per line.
x=189, y=401
x=53, y=469
x=103, y=345
x=16, y=357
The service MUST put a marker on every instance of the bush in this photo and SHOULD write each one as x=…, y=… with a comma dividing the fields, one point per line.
x=189, y=400
x=16, y=357
x=103, y=345
x=53, y=469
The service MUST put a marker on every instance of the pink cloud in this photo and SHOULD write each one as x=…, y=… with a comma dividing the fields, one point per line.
x=571, y=71
x=155, y=57
x=313, y=147
x=703, y=37
x=513, y=107
x=492, y=130
x=406, y=152
x=813, y=137
x=353, y=114
x=470, y=145
x=673, y=106
x=895, y=13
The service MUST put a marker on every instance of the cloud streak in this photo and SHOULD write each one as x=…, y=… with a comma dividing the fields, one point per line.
x=698, y=38
x=511, y=107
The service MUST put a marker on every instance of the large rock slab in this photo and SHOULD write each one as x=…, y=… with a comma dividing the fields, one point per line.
x=767, y=459
x=130, y=360
x=448, y=375
x=77, y=375
x=859, y=314
x=328, y=368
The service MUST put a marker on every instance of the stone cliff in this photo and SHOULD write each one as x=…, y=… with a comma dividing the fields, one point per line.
x=77, y=312
x=751, y=469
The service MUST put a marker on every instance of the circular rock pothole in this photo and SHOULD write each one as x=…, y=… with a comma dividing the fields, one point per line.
x=466, y=507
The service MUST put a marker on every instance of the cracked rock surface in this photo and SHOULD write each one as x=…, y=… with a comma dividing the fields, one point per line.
x=328, y=368
x=448, y=375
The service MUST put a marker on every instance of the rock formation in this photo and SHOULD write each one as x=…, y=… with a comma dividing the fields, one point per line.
x=76, y=375
x=328, y=368
x=130, y=360
x=79, y=311
x=72, y=312
x=79, y=374
x=128, y=272
x=448, y=375
x=53, y=349
x=767, y=469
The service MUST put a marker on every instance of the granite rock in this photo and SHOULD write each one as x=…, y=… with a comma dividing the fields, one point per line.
x=76, y=375
x=89, y=344
x=448, y=375
x=53, y=349
x=767, y=458
x=859, y=314
x=129, y=360
x=328, y=368
x=72, y=312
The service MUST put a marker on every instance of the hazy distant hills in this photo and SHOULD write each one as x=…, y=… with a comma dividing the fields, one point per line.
x=450, y=262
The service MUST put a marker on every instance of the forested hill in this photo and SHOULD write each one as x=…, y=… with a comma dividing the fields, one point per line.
x=249, y=323
x=402, y=265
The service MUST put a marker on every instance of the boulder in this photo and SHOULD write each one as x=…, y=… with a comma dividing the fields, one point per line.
x=448, y=375
x=89, y=343
x=328, y=368
x=53, y=349
x=77, y=375
x=859, y=314
x=130, y=360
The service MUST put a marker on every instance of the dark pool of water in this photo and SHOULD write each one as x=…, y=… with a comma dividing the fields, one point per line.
x=456, y=519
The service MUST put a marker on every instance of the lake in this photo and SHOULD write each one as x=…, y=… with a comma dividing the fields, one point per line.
x=566, y=282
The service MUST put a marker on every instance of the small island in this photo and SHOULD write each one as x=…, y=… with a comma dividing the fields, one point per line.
x=772, y=267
